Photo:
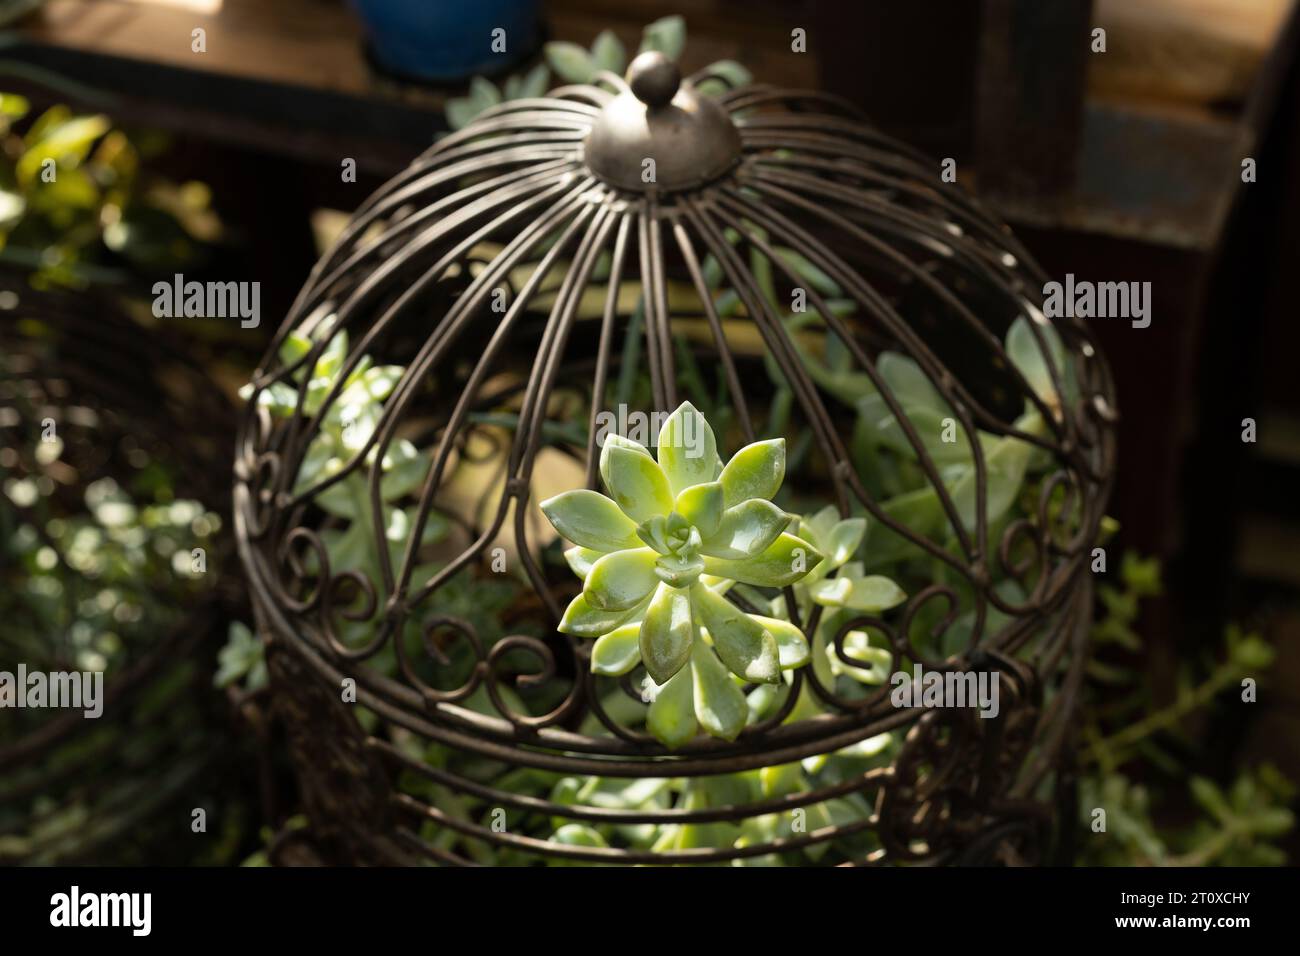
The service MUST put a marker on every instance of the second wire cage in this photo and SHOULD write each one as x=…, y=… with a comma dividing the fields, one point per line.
x=903, y=472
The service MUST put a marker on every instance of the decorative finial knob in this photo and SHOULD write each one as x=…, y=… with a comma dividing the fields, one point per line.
x=654, y=79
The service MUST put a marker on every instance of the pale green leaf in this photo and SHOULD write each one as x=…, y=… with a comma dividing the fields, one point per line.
x=746, y=530
x=908, y=383
x=616, y=653
x=607, y=52
x=570, y=61
x=687, y=449
x=744, y=645
x=756, y=471
x=844, y=540
x=581, y=559
x=621, y=579
x=667, y=633
x=701, y=505
x=535, y=82
x=792, y=645
x=460, y=112
x=636, y=483
x=719, y=704
x=875, y=593
x=671, y=717
x=583, y=620
x=1028, y=358
x=589, y=519
x=786, y=561
x=667, y=35
x=730, y=75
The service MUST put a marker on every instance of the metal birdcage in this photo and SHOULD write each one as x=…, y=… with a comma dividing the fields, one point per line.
x=603, y=253
x=103, y=494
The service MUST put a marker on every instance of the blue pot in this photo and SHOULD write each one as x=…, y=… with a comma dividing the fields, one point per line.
x=447, y=39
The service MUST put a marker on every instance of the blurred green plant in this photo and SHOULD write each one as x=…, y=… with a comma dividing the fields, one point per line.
x=78, y=205
x=95, y=573
x=1125, y=735
x=242, y=660
x=573, y=63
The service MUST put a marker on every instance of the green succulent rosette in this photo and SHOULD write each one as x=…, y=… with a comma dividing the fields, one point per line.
x=656, y=559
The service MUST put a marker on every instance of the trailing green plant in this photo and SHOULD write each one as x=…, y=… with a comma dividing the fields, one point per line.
x=1126, y=736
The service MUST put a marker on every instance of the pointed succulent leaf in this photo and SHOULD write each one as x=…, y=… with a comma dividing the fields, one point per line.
x=791, y=644
x=687, y=449
x=294, y=347
x=332, y=357
x=671, y=717
x=844, y=540
x=534, y=82
x=1028, y=358
x=654, y=534
x=817, y=528
x=744, y=644
x=875, y=593
x=667, y=35
x=782, y=780
x=590, y=520
x=581, y=559
x=701, y=505
x=583, y=620
x=784, y=562
x=746, y=530
x=636, y=482
x=616, y=653
x=621, y=441
x=621, y=580
x=374, y=384
x=719, y=704
x=1005, y=465
x=679, y=571
x=908, y=382
x=667, y=633
x=832, y=592
x=404, y=469
x=570, y=61
x=577, y=834
x=608, y=53
x=756, y=471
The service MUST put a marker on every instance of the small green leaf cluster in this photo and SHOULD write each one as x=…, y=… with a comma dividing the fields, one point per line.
x=241, y=660
x=658, y=555
x=343, y=444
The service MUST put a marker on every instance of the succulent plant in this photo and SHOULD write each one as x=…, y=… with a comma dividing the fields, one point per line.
x=657, y=558
x=346, y=430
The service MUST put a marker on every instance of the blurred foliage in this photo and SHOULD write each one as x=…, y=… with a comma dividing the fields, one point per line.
x=79, y=206
x=573, y=63
x=1128, y=738
x=103, y=568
